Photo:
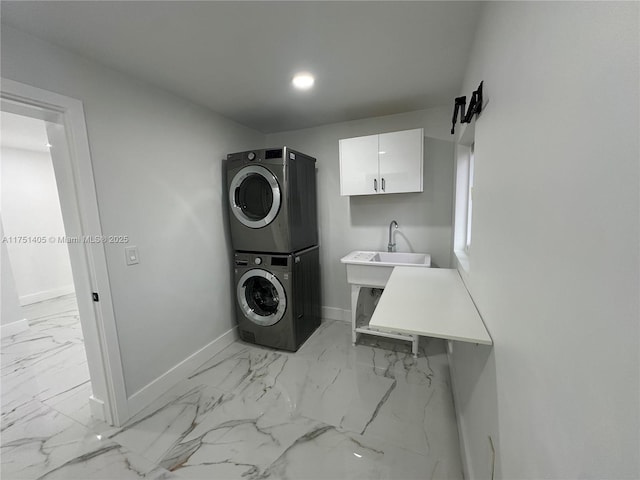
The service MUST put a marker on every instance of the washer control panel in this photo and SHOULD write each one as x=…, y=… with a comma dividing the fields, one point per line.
x=277, y=262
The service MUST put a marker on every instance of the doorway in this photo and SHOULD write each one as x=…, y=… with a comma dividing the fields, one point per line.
x=42, y=337
x=64, y=122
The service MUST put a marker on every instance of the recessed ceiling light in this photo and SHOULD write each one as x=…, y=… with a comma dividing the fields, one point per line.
x=303, y=81
x=48, y=145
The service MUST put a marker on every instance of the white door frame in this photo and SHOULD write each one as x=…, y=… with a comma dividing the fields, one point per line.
x=71, y=158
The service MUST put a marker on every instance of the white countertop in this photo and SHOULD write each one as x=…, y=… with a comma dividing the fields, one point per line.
x=432, y=302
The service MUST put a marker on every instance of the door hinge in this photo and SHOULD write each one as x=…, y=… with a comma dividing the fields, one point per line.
x=96, y=297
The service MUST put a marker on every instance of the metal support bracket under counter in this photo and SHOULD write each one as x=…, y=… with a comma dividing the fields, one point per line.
x=357, y=327
x=431, y=302
x=369, y=272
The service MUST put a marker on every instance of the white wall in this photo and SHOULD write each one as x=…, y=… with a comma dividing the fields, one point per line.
x=554, y=259
x=10, y=311
x=31, y=207
x=158, y=174
x=362, y=222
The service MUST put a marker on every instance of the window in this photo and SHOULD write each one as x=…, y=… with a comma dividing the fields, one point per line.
x=469, y=200
x=465, y=166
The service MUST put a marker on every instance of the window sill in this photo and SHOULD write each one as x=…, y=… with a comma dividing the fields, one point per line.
x=463, y=260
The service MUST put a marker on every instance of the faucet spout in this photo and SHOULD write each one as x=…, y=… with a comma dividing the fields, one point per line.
x=391, y=247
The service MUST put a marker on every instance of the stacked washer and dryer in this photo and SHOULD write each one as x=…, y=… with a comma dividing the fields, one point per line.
x=274, y=232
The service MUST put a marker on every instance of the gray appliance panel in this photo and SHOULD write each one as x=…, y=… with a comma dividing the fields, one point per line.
x=299, y=274
x=294, y=226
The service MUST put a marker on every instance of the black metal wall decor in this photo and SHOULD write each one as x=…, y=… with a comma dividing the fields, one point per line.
x=475, y=107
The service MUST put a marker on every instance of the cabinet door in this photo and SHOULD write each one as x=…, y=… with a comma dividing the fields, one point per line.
x=359, y=166
x=401, y=161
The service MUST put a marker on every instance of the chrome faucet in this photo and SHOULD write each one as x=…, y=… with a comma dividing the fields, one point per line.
x=391, y=247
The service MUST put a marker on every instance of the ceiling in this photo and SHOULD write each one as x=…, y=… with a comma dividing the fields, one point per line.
x=238, y=58
x=23, y=133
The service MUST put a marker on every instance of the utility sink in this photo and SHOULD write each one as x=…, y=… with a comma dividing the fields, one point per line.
x=401, y=258
x=373, y=269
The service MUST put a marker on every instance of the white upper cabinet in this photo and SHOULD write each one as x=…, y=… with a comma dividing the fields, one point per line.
x=380, y=164
x=400, y=155
x=359, y=165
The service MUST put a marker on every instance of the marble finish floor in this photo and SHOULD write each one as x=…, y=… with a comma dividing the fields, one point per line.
x=329, y=411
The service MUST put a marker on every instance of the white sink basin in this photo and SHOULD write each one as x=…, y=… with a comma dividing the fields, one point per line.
x=373, y=269
x=401, y=258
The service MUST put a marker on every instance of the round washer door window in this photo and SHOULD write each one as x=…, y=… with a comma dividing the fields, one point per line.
x=254, y=195
x=261, y=297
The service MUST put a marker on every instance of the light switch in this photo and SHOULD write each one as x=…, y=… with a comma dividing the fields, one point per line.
x=132, y=255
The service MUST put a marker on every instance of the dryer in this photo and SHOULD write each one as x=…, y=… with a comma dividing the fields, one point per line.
x=277, y=297
x=272, y=200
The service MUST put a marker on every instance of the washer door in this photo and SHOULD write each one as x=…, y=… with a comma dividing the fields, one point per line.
x=254, y=196
x=261, y=297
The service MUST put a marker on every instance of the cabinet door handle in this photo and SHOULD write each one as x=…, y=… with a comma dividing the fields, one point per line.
x=375, y=184
x=383, y=184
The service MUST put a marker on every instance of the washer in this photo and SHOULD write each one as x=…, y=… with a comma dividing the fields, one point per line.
x=272, y=200
x=277, y=297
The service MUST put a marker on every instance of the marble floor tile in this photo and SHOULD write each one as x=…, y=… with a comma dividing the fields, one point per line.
x=323, y=391
x=43, y=373
x=234, y=365
x=30, y=347
x=419, y=408
x=60, y=327
x=108, y=461
x=332, y=343
x=328, y=453
x=330, y=410
x=278, y=394
x=43, y=443
x=48, y=361
x=204, y=432
x=343, y=397
x=74, y=403
x=419, y=418
x=155, y=430
x=235, y=448
x=63, y=305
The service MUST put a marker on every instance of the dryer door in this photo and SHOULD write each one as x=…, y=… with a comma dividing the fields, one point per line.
x=261, y=297
x=254, y=196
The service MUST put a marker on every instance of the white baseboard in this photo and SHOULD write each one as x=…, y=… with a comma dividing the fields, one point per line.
x=14, y=327
x=164, y=382
x=46, y=295
x=97, y=408
x=333, y=313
